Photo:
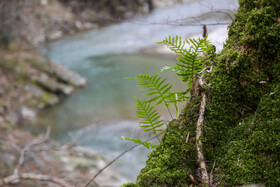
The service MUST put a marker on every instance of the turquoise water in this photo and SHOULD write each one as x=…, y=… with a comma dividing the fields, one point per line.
x=109, y=97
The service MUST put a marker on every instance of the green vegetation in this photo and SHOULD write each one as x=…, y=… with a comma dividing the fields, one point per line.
x=191, y=62
x=241, y=138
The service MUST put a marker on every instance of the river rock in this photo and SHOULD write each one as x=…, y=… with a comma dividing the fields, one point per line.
x=27, y=113
x=67, y=75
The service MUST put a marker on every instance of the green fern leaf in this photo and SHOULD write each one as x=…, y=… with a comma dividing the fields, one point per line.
x=191, y=60
x=148, y=145
x=151, y=117
x=156, y=86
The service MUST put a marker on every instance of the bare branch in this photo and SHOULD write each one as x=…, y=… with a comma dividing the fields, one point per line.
x=200, y=155
x=77, y=136
x=32, y=176
x=16, y=176
x=27, y=147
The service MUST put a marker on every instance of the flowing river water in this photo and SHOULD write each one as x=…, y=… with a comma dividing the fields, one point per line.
x=105, y=57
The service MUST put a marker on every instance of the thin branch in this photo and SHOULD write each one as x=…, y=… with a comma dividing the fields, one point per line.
x=199, y=127
x=180, y=22
x=32, y=176
x=120, y=155
x=16, y=176
x=27, y=147
x=77, y=136
x=200, y=155
x=211, y=174
x=187, y=138
x=192, y=178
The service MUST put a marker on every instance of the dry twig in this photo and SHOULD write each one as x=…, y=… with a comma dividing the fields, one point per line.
x=16, y=176
x=187, y=138
x=32, y=176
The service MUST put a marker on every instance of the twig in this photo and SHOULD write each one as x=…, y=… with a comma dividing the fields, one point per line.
x=77, y=136
x=30, y=176
x=27, y=147
x=120, y=155
x=211, y=174
x=200, y=155
x=187, y=138
x=33, y=176
x=192, y=178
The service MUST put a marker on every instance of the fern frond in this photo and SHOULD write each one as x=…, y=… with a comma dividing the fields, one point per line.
x=151, y=117
x=156, y=86
x=191, y=60
x=176, y=44
x=148, y=145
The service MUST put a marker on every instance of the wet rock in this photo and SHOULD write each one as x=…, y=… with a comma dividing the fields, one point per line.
x=67, y=75
x=27, y=113
x=55, y=35
x=78, y=24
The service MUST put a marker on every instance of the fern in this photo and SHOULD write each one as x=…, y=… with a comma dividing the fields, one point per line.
x=148, y=145
x=190, y=61
x=157, y=88
x=176, y=98
x=151, y=117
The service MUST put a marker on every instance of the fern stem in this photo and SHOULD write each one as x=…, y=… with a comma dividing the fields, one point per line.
x=168, y=109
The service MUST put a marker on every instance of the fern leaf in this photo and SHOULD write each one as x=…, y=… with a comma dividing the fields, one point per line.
x=148, y=145
x=191, y=60
x=151, y=117
x=156, y=86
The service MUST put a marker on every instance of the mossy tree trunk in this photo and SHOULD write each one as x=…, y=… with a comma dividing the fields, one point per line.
x=242, y=118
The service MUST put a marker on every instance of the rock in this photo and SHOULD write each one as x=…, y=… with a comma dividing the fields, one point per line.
x=78, y=24
x=89, y=25
x=33, y=89
x=67, y=75
x=55, y=35
x=47, y=99
x=27, y=113
x=44, y=2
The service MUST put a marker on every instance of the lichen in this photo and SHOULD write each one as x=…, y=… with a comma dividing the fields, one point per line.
x=242, y=121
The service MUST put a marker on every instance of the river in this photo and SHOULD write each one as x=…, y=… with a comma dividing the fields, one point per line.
x=105, y=57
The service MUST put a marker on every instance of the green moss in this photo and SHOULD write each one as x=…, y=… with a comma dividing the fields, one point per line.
x=130, y=185
x=9, y=65
x=32, y=103
x=46, y=98
x=242, y=120
x=173, y=159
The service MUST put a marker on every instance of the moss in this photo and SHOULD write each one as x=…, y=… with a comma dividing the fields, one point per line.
x=242, y=120
x=46, y=98
x=173, y=159
x=9, y=65
x=32, y=103
x=130, y=185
